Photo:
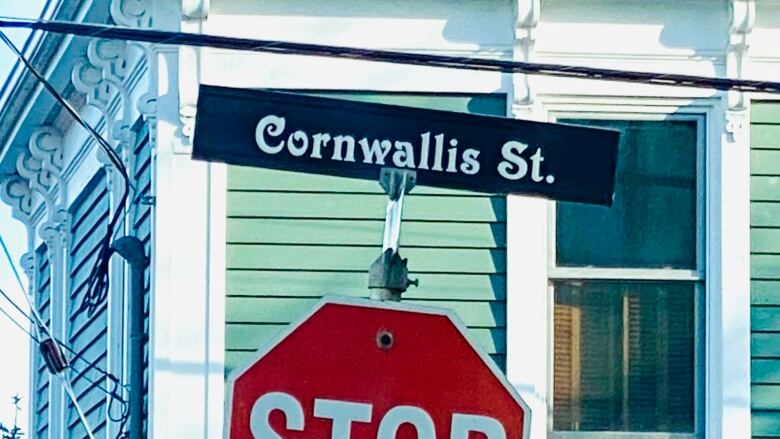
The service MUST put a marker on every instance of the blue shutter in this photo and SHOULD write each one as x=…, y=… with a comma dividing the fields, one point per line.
x=40, y=373
x=142, y=229
x=87, y=335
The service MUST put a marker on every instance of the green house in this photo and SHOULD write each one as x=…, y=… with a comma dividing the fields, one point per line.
x=656, y=318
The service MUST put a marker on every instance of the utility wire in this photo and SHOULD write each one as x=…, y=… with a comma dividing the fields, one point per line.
x=76, y=355
x=18, y=308
x=11, y=263
x=452, y=62
x=19, y=325
x=97, y=287
x=38, y=321
x=65, y=379
x=82, y=373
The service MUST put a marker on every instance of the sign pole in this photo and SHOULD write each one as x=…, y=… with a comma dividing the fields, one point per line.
x=388, y=274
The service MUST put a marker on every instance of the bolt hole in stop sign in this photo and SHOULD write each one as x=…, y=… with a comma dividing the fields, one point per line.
x=360, y=369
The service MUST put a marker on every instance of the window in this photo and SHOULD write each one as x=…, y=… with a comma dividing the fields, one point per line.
x=628, y=288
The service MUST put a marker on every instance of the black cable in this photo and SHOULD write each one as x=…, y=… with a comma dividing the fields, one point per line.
x=112, y=394
x=453, y=62
x=97, y=287
x=82, y=373
x=76, y=355
x=17, y=307
x=19, y=325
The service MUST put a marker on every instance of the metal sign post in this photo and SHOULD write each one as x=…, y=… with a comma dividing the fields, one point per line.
x=389, y=275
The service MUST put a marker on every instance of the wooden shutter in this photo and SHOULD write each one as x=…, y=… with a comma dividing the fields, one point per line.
x=142, y=214
x=41, y=397
x=87, y=335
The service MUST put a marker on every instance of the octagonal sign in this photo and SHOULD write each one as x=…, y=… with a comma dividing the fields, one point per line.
x=360, y=369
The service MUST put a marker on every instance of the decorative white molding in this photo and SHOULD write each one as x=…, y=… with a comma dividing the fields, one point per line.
x=195, y=9
x=31, y=169
x=131, y=13
x=743, y=18
x=27, y=262
x=46, y=144
x=15, y=192
x=56, y=230
x=194, y=13
x=528, y=12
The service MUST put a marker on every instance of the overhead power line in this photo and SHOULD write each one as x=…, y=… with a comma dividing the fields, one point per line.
x=97, y=286
x=421, y=59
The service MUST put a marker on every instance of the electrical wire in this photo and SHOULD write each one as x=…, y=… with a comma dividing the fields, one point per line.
x=19, y=325
x=76, y=356
x=421, y=59
x=18, y=308
x=13, y=266
x=113, y=395
x=97, y=286
x=66, y=381
x=36, y=320
x=79, y=411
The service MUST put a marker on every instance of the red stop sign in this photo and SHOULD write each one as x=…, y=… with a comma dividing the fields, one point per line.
x=362, y=369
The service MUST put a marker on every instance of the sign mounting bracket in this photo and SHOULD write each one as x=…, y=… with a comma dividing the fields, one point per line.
x=388, y=274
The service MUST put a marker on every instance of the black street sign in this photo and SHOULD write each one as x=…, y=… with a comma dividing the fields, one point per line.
x=451, y=150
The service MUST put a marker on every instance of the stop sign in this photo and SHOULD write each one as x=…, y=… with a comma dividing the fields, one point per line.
x=356, y=368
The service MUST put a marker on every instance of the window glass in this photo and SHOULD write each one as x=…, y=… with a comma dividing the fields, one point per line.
x=652, y=223
x=624, y=356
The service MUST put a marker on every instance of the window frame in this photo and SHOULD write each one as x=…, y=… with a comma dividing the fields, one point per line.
x=726, y=351
x=695, y=276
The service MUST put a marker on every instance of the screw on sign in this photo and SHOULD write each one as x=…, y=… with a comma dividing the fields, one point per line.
x=359, y=369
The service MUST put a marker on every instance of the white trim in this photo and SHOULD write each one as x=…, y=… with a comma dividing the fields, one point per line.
x=624, y=274
x=527, y=347
x=215, y=320
x=375, y=304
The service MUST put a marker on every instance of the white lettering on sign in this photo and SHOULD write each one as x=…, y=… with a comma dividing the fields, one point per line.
x=406, y=414
x=258, y=419
x=273, y=125
x=433, y=155
x=343, y=413
x=462, y=425
x=511, y=153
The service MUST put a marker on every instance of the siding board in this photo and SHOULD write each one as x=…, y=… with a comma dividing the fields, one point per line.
x=764, y=214
x=365, y=232
x=305, y=257
x=363, y=206
x=765, y=269
x=294, y=237
x=272, y=283
x=765, y=292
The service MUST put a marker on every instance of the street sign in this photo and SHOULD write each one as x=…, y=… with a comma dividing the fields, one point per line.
x=446, y=149
x=362, y=369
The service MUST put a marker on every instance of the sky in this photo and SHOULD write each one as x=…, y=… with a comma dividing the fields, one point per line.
x=14, y=375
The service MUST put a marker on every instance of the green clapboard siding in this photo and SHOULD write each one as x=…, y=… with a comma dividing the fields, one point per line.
x=765, y=268
x=292, y=238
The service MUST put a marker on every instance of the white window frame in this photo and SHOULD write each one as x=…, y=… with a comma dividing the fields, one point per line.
x=725, y=249
x=695, y=276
